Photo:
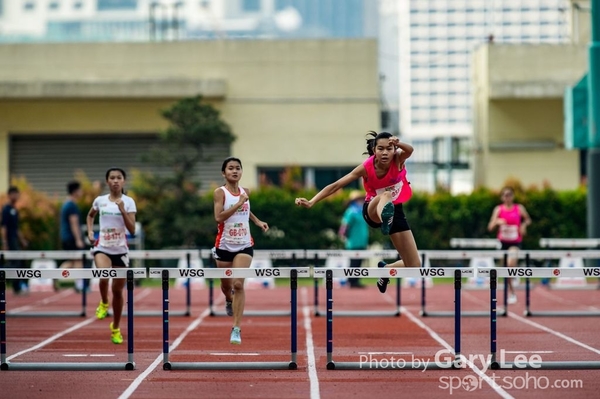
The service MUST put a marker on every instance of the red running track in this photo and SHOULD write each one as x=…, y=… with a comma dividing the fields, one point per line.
x=201, y=338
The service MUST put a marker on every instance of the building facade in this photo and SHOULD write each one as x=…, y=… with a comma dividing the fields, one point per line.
x=75, y=107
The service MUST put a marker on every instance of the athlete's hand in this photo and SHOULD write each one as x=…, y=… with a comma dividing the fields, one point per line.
x=120, y=204
x=263, y=225
x=91, y=237
x=304, y=202
x=243, y=198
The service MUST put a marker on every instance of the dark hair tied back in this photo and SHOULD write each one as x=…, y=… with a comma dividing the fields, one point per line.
x=371, y=142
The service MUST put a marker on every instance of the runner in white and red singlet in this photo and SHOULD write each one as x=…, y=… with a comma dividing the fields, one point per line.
x=234, y=243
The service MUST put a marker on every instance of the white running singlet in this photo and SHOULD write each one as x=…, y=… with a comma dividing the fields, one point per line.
x=113, y=233
x=234, y=233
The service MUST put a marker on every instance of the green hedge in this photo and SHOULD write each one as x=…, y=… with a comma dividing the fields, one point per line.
x=434, y=218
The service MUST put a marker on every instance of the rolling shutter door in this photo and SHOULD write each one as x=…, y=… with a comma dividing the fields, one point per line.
x=48, y=162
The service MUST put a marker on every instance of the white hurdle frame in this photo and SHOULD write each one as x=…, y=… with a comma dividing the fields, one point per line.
x=292, y=273
x=457, y=273
x=86, y=255
x=129, y=274
x=288, y=254
x=317, y=255
x=493, y=274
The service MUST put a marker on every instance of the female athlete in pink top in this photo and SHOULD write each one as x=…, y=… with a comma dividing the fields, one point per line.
x=384, y=179
x=512, y=221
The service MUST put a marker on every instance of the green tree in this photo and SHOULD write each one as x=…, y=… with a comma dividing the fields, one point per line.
x=173, y=214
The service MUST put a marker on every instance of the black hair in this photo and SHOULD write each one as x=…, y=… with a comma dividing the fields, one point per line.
x=12, y=190
x=229, y=159
x=371, y=142
x=113, y=169
x=73, y=186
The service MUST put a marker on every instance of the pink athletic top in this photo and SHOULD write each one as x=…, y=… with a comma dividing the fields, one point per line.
x=510, y=232
x=394, y=181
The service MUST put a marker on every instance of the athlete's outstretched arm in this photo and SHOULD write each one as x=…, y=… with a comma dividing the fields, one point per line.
x=357, y=173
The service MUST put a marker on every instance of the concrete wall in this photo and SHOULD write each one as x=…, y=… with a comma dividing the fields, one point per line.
x=297, y=102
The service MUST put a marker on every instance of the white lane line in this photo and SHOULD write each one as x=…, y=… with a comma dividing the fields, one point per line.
x=140, y=378
x=233, y=354
x=54, y=338
x=541, y=327
x=41, y=302
x=310, y=348
x=64, y=332
x=497, y=388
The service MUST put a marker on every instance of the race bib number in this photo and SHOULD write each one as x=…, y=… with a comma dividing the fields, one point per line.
x=509, y=232
x=394, y=190
x=236, y=233
x=113, y=237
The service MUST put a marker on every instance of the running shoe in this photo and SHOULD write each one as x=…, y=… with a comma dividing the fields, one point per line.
x=383, y=282
x=115, y=335
x=236, y=336
x=102, y=310
x=512, y=299
x=229, y=308
x=387, y=217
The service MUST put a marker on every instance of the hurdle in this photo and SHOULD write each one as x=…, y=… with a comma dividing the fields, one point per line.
x=189, y=255
x=317, y=255
x=559, y=272
x=287, y=254
x=31, y=273
x=129, y=274
x=550, y=365
x=438, y=272
x=571, y=243
x=458, y=274
x=292, y=274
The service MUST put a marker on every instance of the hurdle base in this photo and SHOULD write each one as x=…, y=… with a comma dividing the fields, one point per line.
x=230, y=366
x=46, y=314
x=255, y=313
x=567, y=313
x=67, y=366
x=366, y=366
x=362, y=313
x=560, y=365
x=483, y=313
x=153, y=313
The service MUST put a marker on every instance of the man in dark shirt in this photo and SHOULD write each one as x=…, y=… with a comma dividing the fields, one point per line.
x=70, y=230
x=12, y=236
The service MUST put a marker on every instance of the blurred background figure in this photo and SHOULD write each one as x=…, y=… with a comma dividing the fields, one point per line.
x=70, y=230
x=354, y=231
x=12, y=238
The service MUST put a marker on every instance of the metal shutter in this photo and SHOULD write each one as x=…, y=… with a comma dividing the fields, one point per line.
x=50, y=161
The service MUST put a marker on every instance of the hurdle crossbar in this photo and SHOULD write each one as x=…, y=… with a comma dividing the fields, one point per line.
x=317, y=255
x=551, y=273
x=450, y=313
x=329, y=274
x=551, y=365
x=133, y=254
x=290, y=273
x=291, y=254
x=129, y=274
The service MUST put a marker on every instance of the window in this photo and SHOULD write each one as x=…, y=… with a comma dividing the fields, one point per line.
x=53, y=6
x=107, y=5
x=29, y=6
x=78, y=5
x=1, y=7
x=251, y=5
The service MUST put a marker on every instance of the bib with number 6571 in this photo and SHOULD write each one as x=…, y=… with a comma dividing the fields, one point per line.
x=113, y=237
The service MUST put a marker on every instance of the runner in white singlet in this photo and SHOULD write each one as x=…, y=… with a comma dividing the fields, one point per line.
x=234, y=244
x=117, y=218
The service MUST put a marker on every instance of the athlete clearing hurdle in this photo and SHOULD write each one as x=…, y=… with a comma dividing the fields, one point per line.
x=384, y=179
x=234, y=243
